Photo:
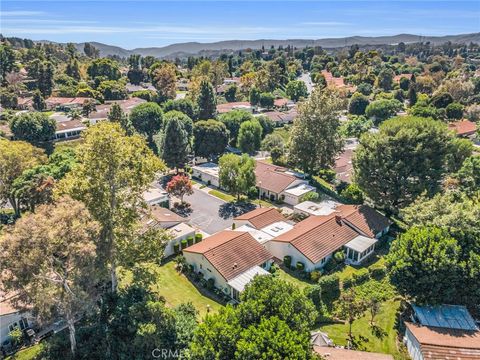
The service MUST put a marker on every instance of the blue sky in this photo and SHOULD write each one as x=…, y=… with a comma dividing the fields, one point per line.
x=133, y=24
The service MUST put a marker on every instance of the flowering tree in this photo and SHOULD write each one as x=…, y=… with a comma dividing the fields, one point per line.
x=179, y=186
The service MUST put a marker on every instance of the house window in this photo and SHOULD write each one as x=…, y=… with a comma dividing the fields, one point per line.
x=13, y=326
x=323, y=261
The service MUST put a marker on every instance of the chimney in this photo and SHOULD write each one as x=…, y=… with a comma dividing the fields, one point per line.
x=338, y=219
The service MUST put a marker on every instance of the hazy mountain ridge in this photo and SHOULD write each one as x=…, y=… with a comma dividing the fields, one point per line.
x=193, y=48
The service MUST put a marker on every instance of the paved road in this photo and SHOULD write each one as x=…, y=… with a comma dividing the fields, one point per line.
x=305, y=77
x=206, y=212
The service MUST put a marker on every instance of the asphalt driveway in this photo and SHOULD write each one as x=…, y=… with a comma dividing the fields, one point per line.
x=206, y=214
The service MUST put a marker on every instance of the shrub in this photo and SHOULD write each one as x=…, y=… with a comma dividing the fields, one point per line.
x=184, y=243
x=328, y=175
x=352, y=194
x=377, y=271
x=300, y=266
x=330, y=265
x=348, y=282
x=310, y=196
x=287, y=260
x=198, y=238
x=176, y=248
x=339, y=256
x=273, y=269
x=315, y=275
x=190, y=240
x=361, y=276
x=211, y=284
x=330, y=285
x=181, y=264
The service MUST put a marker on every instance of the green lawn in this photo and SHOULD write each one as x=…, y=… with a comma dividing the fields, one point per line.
x=176, y=288
x=382, y=339
x=28, y=354
x=291, y=277
x=221, y=195
x=69, y=144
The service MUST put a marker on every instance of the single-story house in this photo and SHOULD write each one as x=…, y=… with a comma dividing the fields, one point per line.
x=126, y=105
x=25, y=103
x=159, y=217
x=314, y=240
x=239, y=105
x=259, y=218
x=442, y=332
x=156, y=196
x=281, y=118
x=207, y=173
x=464, y=128
x=337, y=82
x=258, y=235
x=66, y=103
x=12, y=318
x=278, y=183
x=67, y=130
x=309, y=208
x=143, y=86
x=332, y=353
x=231, y=258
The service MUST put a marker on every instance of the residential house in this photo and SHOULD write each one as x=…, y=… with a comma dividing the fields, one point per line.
x=464, y=128
x=277, y=183
x=259, y=218
x=159, y=217
x=337, y=82
x=332, y=353
x=281, y=118
x=12, y=318
x=308, y=208
x=101, y=112
x=65, y=103
x=25, y=103
x=156, y=196
x=343, y=166
x=131, y=88
x=442, y=332
x=239, y=105
x=231, y=258
x=313, y=241
x=68, y=130
x=207, y=173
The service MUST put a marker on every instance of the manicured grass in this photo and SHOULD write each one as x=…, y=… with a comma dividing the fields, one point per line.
x=383, y=340
x=292, y=278
x=262, y=203
x=30, y=353
x=221, y=195
x=176, y=288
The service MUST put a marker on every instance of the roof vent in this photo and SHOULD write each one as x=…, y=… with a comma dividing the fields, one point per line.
x=338, y=219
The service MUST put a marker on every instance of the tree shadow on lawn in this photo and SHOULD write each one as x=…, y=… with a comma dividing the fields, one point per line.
x=377, y=331
x=234, y=209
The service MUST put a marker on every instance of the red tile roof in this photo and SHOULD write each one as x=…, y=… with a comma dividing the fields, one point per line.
x=443, y=343
x=272, y=177
x=463, y=127
x=281, y=117
x=70, y=125
x=231, y=253
x=330, y=353
x=261, y=217
x=318, y=236
x=280, y=102
x=223, y=108
x=364, y=218
x=344, y=166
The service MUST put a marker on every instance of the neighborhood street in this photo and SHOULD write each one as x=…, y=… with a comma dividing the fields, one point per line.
x=205, y=213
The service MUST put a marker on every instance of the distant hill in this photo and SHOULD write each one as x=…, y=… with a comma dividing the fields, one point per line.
x=193, y=48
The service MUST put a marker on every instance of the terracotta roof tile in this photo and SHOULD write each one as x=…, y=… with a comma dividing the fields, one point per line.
x=463, y=127
x=318, y=236
x=223, y=108
x=330, y=353
x=443, y=344
x=261, y=217
x=364, y=218
x=272, y=178
x=231, y=253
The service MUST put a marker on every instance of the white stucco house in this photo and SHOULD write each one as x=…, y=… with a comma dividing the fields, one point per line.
x=207, y=173
x=11, y=318
x=231, y=258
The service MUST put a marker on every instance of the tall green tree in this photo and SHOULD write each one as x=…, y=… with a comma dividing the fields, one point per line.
x=105, y=68
x=147, y=119
x=15, y=158
x=236, y=173
x=349, y=307
x=233, y=120
x=174, y=141
x=34, y=127
x=51, y=258
x=249, y=136
x=206, y=101
x=7, y=61
x=393, y=178
x=117, y=115
x=424, y=265
x=315, y=140
x=358, y=104
x=112, y=173
x=164, y=79
x=383, y=109
x=296, y=89
x=210, y=138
